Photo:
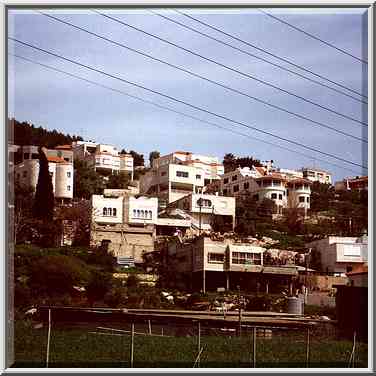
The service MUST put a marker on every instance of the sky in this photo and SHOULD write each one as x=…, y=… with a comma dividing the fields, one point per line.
x=55, y=100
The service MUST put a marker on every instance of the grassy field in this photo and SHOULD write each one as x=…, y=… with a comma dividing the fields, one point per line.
x=79, y=348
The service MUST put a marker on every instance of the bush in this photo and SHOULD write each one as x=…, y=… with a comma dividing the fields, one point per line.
x=100, y=283
x=259, y=303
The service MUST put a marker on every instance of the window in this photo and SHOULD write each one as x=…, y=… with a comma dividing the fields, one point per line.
x=287, y=192
x=109, y=211
x=104, y=211
x=301, y=198
x=273, y=196
x=246, y=185
x=298, y=186
x=266, y=183
x=134, y=212
x=204, y=203
x=150, y=214
x=114, y=212
x=307, y=199
x=256, y=197
x=216, y=258
x=246, y=258
x=66, y=159
x=26, y=155
x=182, y=174
x=68, y=187
x=24, y=174
x=224, y=192
x=198, y=176
x=276, y=183
x=35, y=156
x=236, y=188
x=142, y=214
x=280, y=196
x=225, y=180
x=164, y=173
x=68, y=174
x=235, y=177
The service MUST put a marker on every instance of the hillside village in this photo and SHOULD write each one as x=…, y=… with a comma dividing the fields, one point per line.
x=189, y=223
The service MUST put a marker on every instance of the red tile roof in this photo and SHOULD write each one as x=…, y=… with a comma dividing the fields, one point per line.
x=63, y=147
x=55, y=159
x=300, y=180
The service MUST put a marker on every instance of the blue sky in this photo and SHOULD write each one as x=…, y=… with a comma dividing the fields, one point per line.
x=56, y=101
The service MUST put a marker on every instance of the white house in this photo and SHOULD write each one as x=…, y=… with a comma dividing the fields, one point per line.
x=62, y=174
x=316, y=174
x=340, y=255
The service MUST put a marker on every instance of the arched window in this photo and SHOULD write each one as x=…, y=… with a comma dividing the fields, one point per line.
x=138, y=214
x=134, y=213
x=114, y=212
x=142, y=214
x=104, y=211
x=109, y=211
x=150, y=214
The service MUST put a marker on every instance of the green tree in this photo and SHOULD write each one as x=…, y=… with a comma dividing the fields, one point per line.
x=99, y=285
x=231, y=163
x=153, y=155
x=86, y=181
x=44, y=201
x=138, y=159
x=118, y=181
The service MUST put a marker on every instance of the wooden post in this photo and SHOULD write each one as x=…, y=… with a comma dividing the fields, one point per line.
x=267, y=287
x=48, y=338
x=307, y=352
x=149, y=322
x=199, y=343
x=203, y=281
x=254, y=347
x=132, y=345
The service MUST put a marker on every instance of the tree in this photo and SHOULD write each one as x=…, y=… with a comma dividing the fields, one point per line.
x=153, y=155
x=22, y=215
x=44, y=196
x=100, y=283
x=86, y=181
x=118, y=181
x=138, y=159
x=231, y=163
x=246, y=215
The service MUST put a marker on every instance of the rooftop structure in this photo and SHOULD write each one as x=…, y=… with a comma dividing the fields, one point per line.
x=316, y=174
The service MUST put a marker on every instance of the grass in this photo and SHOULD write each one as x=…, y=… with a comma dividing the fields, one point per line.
x=76, y=347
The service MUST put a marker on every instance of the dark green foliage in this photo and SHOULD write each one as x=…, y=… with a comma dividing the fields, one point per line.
x=99, y=285
x=231, y=162
x=153, y=155
x=57, y=274
x=44, y=197
x=138, y=159
x=27, y=134
x=118, y=181
x=86, y=181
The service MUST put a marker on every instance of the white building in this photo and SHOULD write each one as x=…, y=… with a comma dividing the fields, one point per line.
x=62, y=174
x=203, y=208
x=125, y=222
x=178, y=174
x=103, y=158
x=263, y=182
x=339, y=255
x=315, y=174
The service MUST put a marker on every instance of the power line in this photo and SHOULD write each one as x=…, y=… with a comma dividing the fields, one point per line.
x=207, y=79
x=270, y=53
x=175, y=111
x=256, y=57
x=231, y=69
x=312, y=36
x=188, y=104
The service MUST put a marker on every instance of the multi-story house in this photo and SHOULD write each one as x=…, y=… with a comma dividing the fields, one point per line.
x=205, y=264
x=263, y=182
x=103, y=158
x=315, y=174
x=340, y=255
x=178, y=174
x=359, y=183
x=60, y=165
x=124, y=222
x=204, y=208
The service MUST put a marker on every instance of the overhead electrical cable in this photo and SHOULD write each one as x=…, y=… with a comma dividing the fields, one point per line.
x=231, y=69
x=269, y=53
x=312, y=36
x=187, y=103
x=155, y=104
x=208, y=80
x=257, y=57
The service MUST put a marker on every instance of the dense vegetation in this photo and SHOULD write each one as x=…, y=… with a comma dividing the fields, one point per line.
x=23, y=133
x=231, y=162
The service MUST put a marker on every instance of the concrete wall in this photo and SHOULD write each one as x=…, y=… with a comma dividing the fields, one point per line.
x=99, y=203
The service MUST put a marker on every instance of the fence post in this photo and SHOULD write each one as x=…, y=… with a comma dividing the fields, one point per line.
x=307, y=349
x=132, y=345
x=254, y=347
x=48, y=337
x=149, y=326
x=199, y=343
